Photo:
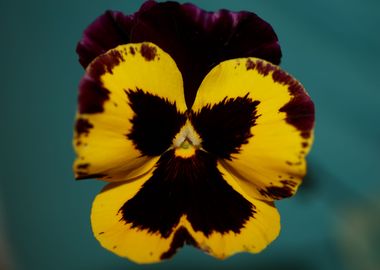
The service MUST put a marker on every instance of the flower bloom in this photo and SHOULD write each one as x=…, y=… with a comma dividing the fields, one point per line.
x=187, y=115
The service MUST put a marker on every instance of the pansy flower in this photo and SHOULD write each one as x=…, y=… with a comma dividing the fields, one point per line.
x=187, y=115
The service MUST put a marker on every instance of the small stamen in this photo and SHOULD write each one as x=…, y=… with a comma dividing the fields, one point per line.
x=186, y=144
x=187, y=141
x=187, y=136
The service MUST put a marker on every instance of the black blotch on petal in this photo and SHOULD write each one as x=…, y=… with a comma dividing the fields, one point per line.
x=306, y=133
x=105, y=63
x=264, y=68
x=148, y=52
x=288, y=182
x=181, y=237
x=279, y=192
x=300, y=109
x=155, y=123
x=226, y=126
x=250, y=64
x=82, y=127
x=83, y=166
x=193, y=187
x=92, y=94
x=281, y=77
x=84, y=175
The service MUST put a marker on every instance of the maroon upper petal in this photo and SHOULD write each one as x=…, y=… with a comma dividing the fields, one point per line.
x=106, y=32
x=196, y=39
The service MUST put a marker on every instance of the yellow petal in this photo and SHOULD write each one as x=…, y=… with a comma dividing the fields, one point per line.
x=255, y=235
x=118, y=237
x=269, y=163
x=131, y=105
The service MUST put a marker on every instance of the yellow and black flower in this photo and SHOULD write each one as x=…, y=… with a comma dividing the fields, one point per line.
x=198, y=130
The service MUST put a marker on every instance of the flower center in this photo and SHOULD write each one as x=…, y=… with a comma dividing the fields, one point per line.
x=187, y=141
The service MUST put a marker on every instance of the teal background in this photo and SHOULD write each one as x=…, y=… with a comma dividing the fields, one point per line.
x=332, y=47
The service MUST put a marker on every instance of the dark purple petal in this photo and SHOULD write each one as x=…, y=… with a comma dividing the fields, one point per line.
x=106, y=32
x=196, y=39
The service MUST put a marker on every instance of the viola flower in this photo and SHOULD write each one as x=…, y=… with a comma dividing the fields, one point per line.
x=196, y=128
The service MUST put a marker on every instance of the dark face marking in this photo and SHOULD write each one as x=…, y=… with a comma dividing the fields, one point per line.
x=148, y=52
x=277, y=193
x=155, y=123
x=191, y=186
x=181, y=237
x=82, y=127
x=226, y=126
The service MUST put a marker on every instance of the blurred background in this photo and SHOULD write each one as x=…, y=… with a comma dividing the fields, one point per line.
x=332, y=47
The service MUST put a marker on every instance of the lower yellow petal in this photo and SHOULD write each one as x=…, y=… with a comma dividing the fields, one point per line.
x=143, y=239
x=118, y=237
x=257, y=233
